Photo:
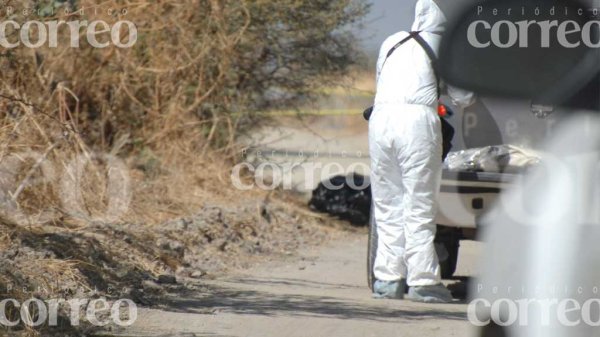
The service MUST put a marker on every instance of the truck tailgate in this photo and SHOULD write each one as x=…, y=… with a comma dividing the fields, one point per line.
x=465, y=196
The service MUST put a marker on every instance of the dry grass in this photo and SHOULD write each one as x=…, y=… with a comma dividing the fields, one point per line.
x=160, y=122
x=173, y=105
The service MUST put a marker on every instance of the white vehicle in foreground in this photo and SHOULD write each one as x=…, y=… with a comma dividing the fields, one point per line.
x=539, y=272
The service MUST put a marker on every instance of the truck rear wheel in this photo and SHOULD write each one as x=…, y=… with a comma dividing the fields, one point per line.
x=371, y=249
x=448, y=257
x=447, y=243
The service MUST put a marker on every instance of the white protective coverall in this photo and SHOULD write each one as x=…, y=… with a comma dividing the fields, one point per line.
x=405, y=142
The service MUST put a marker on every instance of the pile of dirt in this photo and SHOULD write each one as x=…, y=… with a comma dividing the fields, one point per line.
x=136, y=262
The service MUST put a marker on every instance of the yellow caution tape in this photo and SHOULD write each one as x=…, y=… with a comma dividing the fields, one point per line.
x=321, y=112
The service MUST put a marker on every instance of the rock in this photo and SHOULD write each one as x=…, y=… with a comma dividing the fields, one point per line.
x=198, y=274
x=151, y=285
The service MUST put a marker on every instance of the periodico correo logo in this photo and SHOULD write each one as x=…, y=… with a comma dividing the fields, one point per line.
x=97, y=33
x=516, y=29
x=98, y=312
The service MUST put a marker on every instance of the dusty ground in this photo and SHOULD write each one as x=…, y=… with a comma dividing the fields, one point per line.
x=320, y=292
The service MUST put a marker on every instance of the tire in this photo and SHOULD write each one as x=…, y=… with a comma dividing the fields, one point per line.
x=448, y=264
x=371, y=249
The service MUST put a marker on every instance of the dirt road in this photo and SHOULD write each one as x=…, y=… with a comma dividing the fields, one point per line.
x=318, y=293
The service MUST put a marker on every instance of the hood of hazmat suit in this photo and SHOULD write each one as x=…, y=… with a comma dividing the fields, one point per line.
x=405, y=145
x=429, y=18
x=393, y=86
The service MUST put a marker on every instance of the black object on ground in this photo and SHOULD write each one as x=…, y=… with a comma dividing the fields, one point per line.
x=344, y=197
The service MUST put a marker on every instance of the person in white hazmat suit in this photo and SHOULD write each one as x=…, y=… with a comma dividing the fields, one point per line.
x=405, y=142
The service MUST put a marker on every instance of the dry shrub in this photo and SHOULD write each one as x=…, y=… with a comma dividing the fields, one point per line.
x=200, y=73
x=161, y=118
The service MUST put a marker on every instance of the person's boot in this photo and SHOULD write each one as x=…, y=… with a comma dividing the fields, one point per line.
x=430, y=294
x=389, y=289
